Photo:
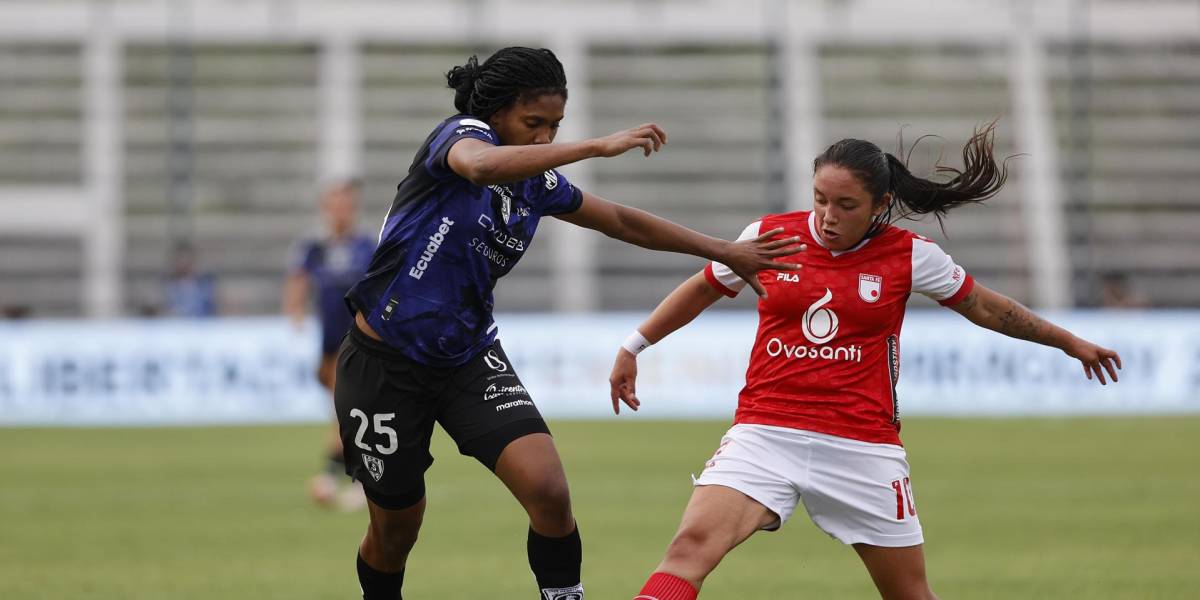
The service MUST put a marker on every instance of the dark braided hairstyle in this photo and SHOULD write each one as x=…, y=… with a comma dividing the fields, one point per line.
x=511, y=74
x=881, y=172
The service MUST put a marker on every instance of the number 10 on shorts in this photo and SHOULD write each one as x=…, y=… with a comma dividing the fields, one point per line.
x=903, y=491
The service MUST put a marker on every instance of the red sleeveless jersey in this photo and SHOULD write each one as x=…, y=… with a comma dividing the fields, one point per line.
x=827, y=354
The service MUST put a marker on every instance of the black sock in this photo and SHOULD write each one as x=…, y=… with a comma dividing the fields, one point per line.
x=377, y=585
x=556, y=564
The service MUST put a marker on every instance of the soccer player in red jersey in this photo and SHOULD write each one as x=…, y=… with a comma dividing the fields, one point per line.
x=818, y=421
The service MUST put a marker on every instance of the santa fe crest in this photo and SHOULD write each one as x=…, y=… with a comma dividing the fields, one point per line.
x=374, y=466
x=869, y=287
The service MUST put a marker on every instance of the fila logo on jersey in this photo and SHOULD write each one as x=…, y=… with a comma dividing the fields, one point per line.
x=788, y=277
x=374, y=466
x=869, y=287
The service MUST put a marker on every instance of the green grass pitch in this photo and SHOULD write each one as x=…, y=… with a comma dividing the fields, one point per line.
x=1056, y=508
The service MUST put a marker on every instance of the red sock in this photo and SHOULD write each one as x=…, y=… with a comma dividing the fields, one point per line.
x=664, y=586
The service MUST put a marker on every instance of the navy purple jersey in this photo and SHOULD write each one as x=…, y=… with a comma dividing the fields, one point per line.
x=444, y=244
x=332, y=266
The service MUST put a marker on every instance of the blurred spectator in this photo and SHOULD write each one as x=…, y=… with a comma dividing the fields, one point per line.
x=15, y=312
x=1116, y=292
x=189, y=292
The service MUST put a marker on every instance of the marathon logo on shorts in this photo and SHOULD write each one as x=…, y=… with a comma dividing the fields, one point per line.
x=574, y=592
x=374, y=466
x=435, y=244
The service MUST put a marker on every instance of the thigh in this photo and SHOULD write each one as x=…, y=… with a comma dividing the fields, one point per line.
x=726, y=516
x=385, y=411
x=761, y=464
x=862, y=493
x=897, y=572
x=486, y=407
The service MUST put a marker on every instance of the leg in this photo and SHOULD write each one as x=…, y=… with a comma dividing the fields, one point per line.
x=323, y=487
x=716, y=520
x=530, y=467
x=386, y=416
x=492, y=418
x=391, y=535
x=899, y=573
x=532, y=471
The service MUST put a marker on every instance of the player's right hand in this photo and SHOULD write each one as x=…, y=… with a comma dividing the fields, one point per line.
x=623, y=381
x=747, y=257
x=648, y=136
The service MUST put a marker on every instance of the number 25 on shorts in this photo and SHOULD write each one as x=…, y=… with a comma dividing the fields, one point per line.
x=380, y=428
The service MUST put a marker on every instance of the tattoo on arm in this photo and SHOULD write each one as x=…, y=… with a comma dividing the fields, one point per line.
x=1014, y=320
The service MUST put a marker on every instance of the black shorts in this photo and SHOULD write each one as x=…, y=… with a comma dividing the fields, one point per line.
x=387, y=404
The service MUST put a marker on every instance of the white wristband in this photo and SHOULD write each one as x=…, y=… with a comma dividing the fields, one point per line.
x=635, y=343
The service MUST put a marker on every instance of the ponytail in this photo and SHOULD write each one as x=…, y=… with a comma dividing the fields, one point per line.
x=980, y=178
x=880, y=173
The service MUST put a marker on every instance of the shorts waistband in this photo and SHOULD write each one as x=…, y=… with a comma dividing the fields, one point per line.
x=373, y=346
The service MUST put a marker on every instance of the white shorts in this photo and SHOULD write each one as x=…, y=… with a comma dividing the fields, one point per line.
x=857, y=492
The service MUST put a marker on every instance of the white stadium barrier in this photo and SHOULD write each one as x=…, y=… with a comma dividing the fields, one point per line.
x=260, y=370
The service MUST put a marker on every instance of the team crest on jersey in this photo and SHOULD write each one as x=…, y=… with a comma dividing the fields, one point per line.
x=374, y=466
x=870, y=287
x=551, y=179
x=505, y=200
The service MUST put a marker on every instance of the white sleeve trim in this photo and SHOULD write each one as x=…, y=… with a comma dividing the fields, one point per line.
x=934, y=273
x=724, y=274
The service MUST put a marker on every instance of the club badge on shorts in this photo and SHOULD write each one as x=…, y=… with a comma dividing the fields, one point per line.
x=374, y=466
x=869, y=287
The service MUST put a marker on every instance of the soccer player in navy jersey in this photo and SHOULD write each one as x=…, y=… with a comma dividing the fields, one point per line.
x=424, y=347
x=324, y=267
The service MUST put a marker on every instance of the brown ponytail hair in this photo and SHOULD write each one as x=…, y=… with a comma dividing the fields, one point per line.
x=880, y=172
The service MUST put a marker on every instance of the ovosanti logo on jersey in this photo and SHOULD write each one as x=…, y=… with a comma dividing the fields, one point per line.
x=820, y=326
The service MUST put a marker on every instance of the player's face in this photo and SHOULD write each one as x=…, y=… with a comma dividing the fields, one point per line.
x=341, y=206
x=844, y=208
x=534, y=121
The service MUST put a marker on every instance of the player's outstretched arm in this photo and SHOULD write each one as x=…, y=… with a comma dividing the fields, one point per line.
x=998, y=312
x=482, y=163
x=676, y=310
x=295, y=297
x=640, y=228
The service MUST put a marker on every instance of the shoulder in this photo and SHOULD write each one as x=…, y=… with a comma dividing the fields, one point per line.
x=466, y=125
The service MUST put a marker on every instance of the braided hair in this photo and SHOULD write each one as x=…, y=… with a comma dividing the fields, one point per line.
x=880, y=172
x=511, y=74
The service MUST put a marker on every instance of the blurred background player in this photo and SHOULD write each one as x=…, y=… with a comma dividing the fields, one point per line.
x=818, y=420
x=189, y=291
x=324, y=267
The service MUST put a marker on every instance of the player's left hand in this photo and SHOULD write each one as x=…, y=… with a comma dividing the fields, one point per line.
x=623, y=381
x=747, y=257
x=1093, y=358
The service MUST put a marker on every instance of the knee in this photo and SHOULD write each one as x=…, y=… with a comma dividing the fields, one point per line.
x=395, y=537
x=550, y=502
x=696, y=545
